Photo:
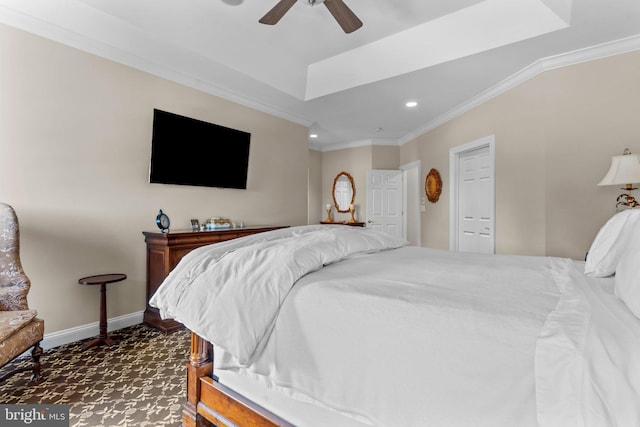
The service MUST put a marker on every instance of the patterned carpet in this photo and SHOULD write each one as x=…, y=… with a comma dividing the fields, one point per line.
x=138, y=382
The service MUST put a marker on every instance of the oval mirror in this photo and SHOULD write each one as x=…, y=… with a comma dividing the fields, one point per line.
x=344, y=192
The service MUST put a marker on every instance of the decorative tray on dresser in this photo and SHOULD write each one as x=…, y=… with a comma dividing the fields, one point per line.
x=165, y=250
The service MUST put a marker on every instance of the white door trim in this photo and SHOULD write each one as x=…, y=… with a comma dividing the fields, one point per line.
x=411, y=202
x=454, y=156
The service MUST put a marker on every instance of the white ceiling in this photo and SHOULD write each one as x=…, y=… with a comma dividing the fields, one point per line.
x=348, y=88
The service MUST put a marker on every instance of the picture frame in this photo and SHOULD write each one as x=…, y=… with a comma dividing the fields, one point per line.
x=195, y=225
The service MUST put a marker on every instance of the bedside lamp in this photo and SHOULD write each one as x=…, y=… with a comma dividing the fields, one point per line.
x=624, y=170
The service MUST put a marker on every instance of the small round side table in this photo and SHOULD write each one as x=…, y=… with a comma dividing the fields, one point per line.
x=102, y=280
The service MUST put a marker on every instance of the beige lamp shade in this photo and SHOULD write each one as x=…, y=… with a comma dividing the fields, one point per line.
x=625, y=169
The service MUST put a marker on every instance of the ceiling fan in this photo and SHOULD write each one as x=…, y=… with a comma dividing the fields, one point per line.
x=345, y=17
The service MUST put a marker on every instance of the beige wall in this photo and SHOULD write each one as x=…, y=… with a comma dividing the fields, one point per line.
x=554, y=137
x=591, y=112
x=354, y=161
x=519, y=155
x=385, y=157
x=75, y=135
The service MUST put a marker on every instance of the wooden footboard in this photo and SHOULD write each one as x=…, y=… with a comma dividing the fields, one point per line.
x=211, y=403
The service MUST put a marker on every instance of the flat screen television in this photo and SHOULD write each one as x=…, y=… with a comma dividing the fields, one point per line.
x=186, y=151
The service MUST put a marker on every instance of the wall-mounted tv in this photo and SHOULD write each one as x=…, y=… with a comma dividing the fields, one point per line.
x=186, y=151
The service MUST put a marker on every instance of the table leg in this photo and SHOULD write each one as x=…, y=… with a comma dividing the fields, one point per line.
x=103, y=337
x=103, y=311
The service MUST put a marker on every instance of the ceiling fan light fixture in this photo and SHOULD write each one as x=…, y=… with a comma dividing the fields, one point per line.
x=345, y=17
x=233, y=2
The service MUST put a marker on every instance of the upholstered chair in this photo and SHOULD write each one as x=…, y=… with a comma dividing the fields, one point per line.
x=20, y=329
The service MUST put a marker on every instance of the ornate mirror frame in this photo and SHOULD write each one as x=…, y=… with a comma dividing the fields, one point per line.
x=433, y=185
x=343, y=209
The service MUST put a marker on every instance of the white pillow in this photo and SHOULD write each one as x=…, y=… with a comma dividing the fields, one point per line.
x=609, y=244
x=627, y=280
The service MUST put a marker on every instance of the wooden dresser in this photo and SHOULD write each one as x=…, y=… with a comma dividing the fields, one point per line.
x=165, y=250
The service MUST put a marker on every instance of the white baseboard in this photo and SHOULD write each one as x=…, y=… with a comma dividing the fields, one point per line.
x=89, y=330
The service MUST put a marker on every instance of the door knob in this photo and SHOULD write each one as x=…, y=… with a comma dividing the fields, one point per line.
x=370, y=221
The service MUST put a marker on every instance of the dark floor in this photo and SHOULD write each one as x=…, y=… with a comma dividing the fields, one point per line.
x=138, y=382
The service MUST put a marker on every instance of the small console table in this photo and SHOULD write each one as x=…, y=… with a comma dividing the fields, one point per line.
x=353, y=224
x=165, y=250
x=102, y=280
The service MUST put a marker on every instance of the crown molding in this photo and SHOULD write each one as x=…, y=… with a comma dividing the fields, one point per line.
x=353, y=144
x=81, y=42
x=604, y=50
x=86, y=44
x=587, y=54
x=592, y=53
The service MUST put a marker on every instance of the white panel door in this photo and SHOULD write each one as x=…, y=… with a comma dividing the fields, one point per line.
x=384, y=201
x=475, y=202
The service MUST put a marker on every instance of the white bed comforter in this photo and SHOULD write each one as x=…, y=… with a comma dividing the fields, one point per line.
x=412, y=336
x=235, y=293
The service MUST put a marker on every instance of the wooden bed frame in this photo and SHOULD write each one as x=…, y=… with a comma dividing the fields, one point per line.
x=211, y=403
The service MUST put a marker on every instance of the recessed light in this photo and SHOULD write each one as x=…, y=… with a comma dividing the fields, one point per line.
x=378, y=129
x=233, y=2
x=411, y=104
x=313, y=135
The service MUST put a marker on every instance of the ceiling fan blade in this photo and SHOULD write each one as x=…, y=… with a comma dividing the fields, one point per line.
x=345, y=17
x=274, y=15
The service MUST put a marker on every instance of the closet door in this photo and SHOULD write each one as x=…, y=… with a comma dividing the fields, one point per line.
x=473, y=198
